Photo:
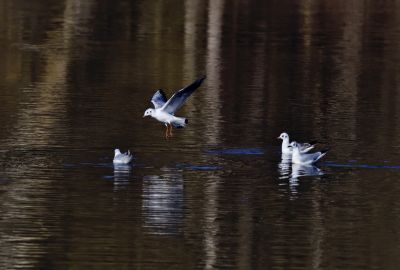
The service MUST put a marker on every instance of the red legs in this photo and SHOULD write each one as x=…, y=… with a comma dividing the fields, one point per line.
x=168, y=131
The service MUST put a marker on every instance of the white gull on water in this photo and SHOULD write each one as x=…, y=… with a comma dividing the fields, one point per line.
x=122, y=158
x=164, y=109
x=287, y=148
x=305, y=158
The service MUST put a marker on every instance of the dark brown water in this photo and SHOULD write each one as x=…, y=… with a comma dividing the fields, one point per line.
x=76, y=77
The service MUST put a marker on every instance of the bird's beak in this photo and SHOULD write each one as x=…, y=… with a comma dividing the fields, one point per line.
x=278, y=138
x=144, y=115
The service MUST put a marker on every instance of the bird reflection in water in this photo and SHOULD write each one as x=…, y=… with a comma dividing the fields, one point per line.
x=122, y=173
x=305, y=170
x=162, y=203
x=284, y=166
x=293, y=171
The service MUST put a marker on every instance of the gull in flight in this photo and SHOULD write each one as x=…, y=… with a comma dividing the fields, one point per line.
x=287, y=148
x=122, y=158
x=299, y=157
x=164, y=110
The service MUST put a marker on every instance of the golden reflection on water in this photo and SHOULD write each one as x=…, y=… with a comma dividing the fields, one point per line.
x=215, y=13
x=323, y=70
x=163, y=202
x=39, y=123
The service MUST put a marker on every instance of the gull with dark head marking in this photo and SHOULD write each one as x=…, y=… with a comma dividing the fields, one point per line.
x=164, y=110
x=305, y=158
x=122, y=158
x=287, y=148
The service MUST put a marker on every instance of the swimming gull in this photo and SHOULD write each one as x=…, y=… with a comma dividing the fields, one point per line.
x=288, y=150
x=164, y=110
x=299, y=157
x=122, y=158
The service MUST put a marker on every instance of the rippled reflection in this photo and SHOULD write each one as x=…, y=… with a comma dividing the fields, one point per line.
x=214, y=36
x=27, y=205
x=211, y=223
x=292, y=172
x=76, y=76
x=299, y=170
x=163, y=202
x=122, y=174
x=287, y=169
x=284, y=166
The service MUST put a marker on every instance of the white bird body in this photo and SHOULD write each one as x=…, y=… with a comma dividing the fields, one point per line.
x=167, y=118
x=122, y=158
x=299, y=157
x=164, y=109
x=287, y=148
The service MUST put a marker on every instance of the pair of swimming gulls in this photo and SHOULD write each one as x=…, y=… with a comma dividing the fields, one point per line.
x=164, y=111
x=299, y=152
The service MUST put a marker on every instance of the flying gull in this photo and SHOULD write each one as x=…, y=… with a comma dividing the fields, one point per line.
x=164, y=110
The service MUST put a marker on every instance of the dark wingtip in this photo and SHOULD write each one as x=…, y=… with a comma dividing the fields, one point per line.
x=202, y=79
x=197, y=83
x=325, y=150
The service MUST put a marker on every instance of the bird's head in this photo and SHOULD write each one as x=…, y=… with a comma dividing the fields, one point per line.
x=148, y=112
x=283, y=136
x=294, y=145
x=117, y=152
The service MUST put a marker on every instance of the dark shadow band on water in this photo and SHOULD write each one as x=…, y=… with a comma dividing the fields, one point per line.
x=88, y=164
x=103, y=164
x=235, y=151
x=361, y=166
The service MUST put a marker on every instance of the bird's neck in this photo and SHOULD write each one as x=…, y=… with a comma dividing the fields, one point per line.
x=285, y=142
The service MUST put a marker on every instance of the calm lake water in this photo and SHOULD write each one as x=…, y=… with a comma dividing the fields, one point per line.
x=76, y=77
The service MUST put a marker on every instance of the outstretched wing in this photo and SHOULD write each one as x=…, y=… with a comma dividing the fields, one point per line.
x=159, y=99
x=177, y=100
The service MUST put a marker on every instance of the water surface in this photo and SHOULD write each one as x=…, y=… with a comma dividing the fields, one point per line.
x=76, y=77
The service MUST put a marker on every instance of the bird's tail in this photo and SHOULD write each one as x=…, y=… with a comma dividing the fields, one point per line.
x=323, y=153
x=180, y=122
